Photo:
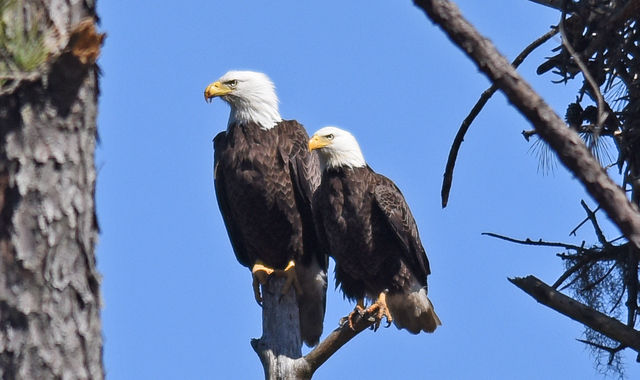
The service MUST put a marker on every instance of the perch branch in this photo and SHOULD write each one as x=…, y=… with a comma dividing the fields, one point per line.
x=575, y=310
x=332, y=343
x=551, y=128
x=466, y=123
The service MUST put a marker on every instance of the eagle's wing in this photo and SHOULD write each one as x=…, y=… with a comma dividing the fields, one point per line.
x=304, y=169
x=312, y=274
x=393, y=206
x=219, y=143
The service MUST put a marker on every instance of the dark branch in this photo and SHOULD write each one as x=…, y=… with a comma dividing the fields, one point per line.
x=538, y=242
x=551, y=128
x=611, y=350
x=573, y=232
x=582, y=262
x=594, y=319
x=332, y=343
x=591, y=215
x=466, y=123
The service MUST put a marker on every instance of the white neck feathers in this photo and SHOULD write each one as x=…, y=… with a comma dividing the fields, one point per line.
x=341, y=159
x=260, y=111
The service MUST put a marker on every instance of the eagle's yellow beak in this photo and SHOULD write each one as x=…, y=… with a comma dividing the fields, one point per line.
x=317, y=142
x=216, y=89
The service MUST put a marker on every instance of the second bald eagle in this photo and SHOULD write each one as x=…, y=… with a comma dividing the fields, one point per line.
x=367, y=227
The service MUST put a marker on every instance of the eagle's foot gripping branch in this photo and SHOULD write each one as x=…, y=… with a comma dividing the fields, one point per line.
x=358, y=310
x=291, y=278
x=379, y=310
x=261, y=273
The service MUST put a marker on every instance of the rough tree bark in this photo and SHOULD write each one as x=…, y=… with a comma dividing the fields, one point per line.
x=49, y=287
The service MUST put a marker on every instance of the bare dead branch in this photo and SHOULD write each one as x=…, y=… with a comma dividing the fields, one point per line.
x=615, y=304
x=332, y=343
x=611, y=350
x=573, y=232
x=466, y=123
x=551, y=128
x=585, y=260
x=591, y=215
x=575, y=310
x=539, y=242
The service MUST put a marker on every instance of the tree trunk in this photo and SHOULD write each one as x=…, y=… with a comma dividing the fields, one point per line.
x=49, y=287
x=280, y=344
x=279, y=348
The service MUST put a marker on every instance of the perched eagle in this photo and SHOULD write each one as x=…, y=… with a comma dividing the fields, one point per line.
x=366, y=225
x=265, y=178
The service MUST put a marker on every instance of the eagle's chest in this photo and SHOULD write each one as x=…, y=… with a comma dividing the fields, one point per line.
x=255, y=167
x=349, y=216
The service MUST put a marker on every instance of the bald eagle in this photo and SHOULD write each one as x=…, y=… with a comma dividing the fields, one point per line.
x=369, y=230
x=265, y=178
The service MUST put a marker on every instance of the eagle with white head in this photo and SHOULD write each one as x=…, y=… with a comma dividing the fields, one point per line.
x=365, y=224
x=265, y=178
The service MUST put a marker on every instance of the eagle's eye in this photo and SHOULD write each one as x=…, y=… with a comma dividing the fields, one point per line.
x=330, y=136
x=232, y=83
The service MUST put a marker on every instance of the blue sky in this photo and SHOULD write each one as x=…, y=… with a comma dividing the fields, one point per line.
x=177, y=305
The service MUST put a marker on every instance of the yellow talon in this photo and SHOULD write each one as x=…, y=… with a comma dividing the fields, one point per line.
x=292, y=278
x=359, y=309
x=260, y=274
x=380, y=310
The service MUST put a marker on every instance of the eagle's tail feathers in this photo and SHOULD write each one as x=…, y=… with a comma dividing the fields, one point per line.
x=413, y=311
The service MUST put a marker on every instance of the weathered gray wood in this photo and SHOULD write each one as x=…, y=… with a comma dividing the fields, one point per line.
x=280, y=344
x=49, y=287
x=279, y=348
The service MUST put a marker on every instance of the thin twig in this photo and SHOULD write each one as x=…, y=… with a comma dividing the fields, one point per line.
x=466, y=123
x=540, y=242
x=582, y=262
x=591, y=215
x=617, y=303
x=573, y=232
x=611, y=350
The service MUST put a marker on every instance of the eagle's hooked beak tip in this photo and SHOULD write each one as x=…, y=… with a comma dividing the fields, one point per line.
x=215, y=89
x=316, y=142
